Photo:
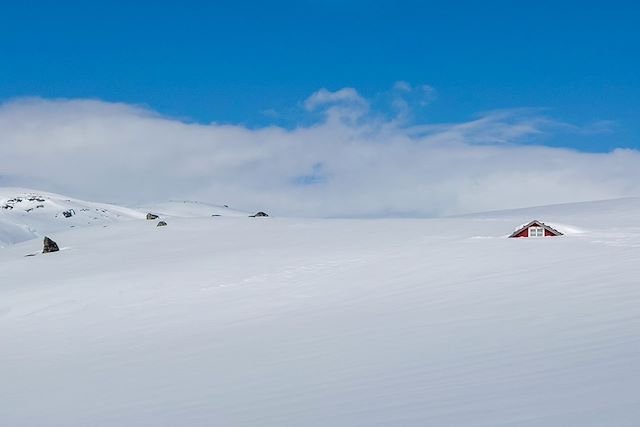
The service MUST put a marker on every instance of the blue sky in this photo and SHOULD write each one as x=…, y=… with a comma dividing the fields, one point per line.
x=323, y=107
x=254, y=63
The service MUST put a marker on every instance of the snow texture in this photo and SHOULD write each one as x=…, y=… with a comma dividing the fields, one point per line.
x=232, y=321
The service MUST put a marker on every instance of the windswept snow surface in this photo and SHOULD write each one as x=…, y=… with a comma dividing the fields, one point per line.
x=284, y=322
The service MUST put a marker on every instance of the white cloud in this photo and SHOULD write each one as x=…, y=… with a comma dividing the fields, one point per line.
x=372, y=166
x=406, y=97
x=346, y=96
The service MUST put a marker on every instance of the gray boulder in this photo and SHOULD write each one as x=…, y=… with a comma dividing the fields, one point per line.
x=258, y=214
x=161, y=224
x=49, y=246
x=152, y=216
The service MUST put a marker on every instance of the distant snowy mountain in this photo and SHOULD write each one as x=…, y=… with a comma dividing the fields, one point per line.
x=624, y=208
x=245, y=322
x=190, y=209
x=26, y=214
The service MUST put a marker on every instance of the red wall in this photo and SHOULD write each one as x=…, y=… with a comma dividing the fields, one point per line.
x=525, y=233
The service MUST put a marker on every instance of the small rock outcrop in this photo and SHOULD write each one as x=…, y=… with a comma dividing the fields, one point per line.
x=152, y=216
x=258, y=214
x=161, y=224
x=49, y=246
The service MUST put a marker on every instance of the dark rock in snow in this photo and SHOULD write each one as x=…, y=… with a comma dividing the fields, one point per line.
x=258, y=214
x=152, y=216
x=69, y=213
x=161, y=224
x=49, y=246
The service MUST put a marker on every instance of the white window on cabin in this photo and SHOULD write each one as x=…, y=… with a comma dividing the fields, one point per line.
x=536, y=232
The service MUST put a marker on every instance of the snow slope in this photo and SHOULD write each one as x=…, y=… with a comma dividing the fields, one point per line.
x=26, y=214
x=284, y=322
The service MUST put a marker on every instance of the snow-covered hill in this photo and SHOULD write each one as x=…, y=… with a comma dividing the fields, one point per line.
x=26, y=214
x=191, y=209
x=235, y=321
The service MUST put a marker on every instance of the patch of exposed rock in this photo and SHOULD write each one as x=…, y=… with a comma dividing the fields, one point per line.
x=49, y=246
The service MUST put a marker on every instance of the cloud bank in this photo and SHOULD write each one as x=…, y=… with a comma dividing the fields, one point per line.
x=350, y=163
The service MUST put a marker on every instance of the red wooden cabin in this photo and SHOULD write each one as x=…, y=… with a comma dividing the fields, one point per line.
x=536, y=229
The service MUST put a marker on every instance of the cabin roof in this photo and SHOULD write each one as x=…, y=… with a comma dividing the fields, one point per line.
x=536, y=223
